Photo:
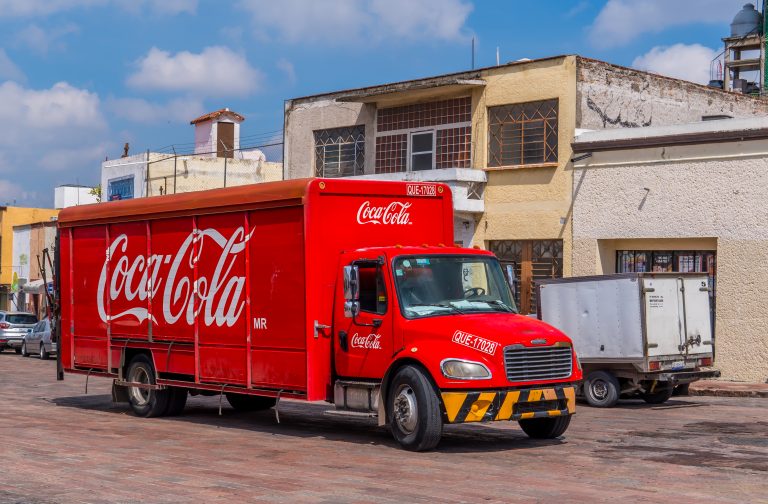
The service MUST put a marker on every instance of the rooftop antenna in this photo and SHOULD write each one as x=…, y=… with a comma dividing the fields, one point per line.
x=473, y=52
x=497, y=55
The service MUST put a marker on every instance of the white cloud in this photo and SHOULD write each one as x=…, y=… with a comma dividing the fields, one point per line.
x=287, y=68
x=216, y=71
x=142, y=111
x=63, y=159
x=621, y=21
x=10, y=192
x=359, y=20
x=14, y=8
x=44, y=40
x=8, y=69
x=160, y=7
x=689, y=62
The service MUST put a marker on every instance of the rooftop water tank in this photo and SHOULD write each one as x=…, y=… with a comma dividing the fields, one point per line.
x=747, y=21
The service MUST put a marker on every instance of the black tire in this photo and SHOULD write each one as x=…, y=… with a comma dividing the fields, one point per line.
x=177, y=399
x=414, y=410
x=145, y=402
x=601, y=389
x=243, y=402
x=17, y=350
x=682, y=390
x=545, y=428
x=659, y=396
x=43, y=354
x=24, y=352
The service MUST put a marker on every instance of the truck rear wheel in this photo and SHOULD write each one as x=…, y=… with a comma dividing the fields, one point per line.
x=601, y=389
x=243, y=402
x=414, y=410
x=545, y=428
x=660, y=395
x=145, y=402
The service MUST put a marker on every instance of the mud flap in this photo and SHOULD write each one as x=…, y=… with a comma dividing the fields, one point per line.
x=119, y=393
x=382, y=411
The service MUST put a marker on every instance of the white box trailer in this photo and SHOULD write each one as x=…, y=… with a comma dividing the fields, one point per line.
x=636, y=334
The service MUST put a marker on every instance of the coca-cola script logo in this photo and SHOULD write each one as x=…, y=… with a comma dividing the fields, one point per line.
x=369, y=342
x=395, y=213
x=134, y=279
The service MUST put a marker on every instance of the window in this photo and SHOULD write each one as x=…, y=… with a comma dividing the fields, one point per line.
x=424, y=136
x=21, y=318
x=522, y=134
x=340, y=152
x=422, y=150
x=120, y=189
x=373, y=294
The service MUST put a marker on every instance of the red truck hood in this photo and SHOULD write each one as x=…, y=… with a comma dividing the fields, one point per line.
x=501, y=328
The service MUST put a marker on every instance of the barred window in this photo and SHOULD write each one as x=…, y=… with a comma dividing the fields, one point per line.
x=340, y=152
x=522, y=134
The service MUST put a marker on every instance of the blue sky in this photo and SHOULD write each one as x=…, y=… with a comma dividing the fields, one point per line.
x=78, y=78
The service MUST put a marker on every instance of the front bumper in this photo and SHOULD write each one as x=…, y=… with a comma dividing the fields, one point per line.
x=522, y=404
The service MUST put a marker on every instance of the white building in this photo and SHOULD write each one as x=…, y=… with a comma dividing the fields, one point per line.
x=217, y=160
x=68, y=195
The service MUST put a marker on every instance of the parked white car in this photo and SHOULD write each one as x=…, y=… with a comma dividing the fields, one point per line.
x=39, y=341
x=13, y=327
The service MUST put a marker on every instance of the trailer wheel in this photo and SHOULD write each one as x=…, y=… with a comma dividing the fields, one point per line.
x=177, y=399
x=414, y=410
x=243, y=402
x=601, y=389
x=145, y=402
x=545, y=428
x=659, y=396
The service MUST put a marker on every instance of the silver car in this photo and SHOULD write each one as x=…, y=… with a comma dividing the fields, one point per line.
x=39, y=341
x=13, y=327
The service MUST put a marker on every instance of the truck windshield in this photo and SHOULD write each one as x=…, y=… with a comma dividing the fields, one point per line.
x=444, y=285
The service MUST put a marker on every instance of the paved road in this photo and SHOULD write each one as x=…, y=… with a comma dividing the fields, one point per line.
x=59, y=445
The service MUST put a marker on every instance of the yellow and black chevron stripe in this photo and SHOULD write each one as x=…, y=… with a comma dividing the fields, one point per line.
x=487, y=406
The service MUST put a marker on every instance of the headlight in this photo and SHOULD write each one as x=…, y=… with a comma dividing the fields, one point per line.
x=464, y=370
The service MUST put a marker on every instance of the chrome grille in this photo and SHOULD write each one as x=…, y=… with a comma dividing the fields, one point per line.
x=538, y=363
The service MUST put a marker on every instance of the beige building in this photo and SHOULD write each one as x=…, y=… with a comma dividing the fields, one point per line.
x=500, y=137
x=690, y=197
x=218, y=159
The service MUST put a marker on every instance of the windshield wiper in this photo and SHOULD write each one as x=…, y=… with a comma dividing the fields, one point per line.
x=506, y=307
x=441, y=305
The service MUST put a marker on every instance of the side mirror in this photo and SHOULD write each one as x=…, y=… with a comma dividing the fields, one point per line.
x=351, y=283
x=351, y=309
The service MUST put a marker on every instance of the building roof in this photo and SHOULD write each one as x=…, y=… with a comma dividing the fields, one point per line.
x=721, y=130
x=210, y=116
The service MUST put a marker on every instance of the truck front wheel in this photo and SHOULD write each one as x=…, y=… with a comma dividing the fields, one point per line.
x=601, y=389
x=145, y=402
x=545, y=428
x=414, y=410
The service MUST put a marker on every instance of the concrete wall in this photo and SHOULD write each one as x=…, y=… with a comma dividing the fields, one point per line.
x=67, y=196
x=712, y=196
x=527, y=202
x=610, y=96
x=302, y=119
x=135, y=166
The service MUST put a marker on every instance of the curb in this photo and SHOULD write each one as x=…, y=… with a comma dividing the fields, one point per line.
x=727, y=393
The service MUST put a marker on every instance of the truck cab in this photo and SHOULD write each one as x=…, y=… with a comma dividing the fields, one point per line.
x=431, y=335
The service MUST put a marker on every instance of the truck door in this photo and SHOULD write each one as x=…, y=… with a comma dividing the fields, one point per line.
x=363, y=343
x=664, y=315
x=698, y=327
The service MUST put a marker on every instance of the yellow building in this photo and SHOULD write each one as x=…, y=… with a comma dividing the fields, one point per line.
x=9, y=218
x=500, y=137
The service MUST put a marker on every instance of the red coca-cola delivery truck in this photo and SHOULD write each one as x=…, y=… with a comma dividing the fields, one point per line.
x=346, y=291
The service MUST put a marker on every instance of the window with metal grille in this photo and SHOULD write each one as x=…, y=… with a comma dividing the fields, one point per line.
x=531, y=260
x=522, y=134
x=340, y=152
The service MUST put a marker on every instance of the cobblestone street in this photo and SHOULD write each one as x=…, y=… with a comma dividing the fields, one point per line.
x=60, y=445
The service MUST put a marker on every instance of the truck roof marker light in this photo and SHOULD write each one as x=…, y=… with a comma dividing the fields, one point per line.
x=476, y=247
x=398, y=246
x=425, y=245
x=441, y=245
x=440, y=189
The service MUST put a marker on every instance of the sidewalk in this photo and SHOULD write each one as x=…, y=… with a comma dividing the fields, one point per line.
x=722, y=388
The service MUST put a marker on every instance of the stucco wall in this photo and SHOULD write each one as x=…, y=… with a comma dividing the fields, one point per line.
x=697, y=196
x=303, y=118
x=527, y=202
x=611, y=96
x=16, y=216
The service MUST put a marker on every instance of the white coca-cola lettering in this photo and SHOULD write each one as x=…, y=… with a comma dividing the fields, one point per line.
x=369, y=342
x=135, y=279
x=395, y=213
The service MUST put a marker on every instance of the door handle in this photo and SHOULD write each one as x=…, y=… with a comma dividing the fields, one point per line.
x=343, y=340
